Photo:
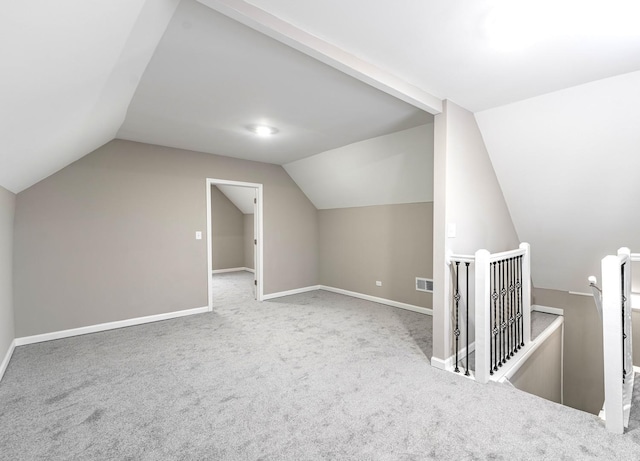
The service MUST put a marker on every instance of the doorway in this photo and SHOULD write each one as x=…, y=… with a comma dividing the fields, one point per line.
x=238, y=190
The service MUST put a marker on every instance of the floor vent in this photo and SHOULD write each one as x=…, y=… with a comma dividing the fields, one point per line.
x=424, y=285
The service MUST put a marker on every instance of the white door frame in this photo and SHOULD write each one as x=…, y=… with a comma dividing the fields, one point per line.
x=259, y=225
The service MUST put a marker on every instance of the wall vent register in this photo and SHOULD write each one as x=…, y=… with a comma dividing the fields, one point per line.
x=424, y=285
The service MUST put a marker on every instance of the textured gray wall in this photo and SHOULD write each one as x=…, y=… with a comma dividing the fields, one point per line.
x=390, y=243
x=7, y=205
x=249, y=246
x=111, y=236
x=227, y=232
x=583, y=365
x=541, y=374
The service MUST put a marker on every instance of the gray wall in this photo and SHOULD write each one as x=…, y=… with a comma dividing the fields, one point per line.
x=249, y=246
x=467, y=194
x=583, y=358
x=111, y=236
x=227, y=232
x=7, y=206
x=390, y=243
x=541, y=374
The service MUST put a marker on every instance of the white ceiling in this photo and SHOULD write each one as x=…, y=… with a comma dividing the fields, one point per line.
x=568, y=163
x=389, y=169
x=241, y=197
x=482, y=53
x=68, y=72
x=211, y=76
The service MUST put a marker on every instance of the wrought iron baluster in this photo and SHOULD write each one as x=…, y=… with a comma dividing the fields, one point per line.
x=493, y=343
x=503, y=317
x=467, y=324
x=623, y=298
x=512, y=313
x=520, y=318
x=456, y=332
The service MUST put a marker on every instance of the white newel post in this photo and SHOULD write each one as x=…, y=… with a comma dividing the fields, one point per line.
x=526, y=292
x=625, y=254
x=612, y=348
x=482, y=317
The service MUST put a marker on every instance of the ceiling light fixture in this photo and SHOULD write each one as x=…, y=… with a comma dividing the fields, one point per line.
x=262, y=130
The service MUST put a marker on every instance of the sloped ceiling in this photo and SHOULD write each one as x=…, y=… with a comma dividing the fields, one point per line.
x=390, y=169
x=211, y=77
x=241, y=197
x=482, y=53
x=69, y=70
x=568, y=165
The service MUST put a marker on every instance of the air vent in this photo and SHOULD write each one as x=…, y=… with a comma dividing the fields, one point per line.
x=424, y=285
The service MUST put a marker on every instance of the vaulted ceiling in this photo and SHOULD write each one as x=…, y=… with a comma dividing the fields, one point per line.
x=193, y=74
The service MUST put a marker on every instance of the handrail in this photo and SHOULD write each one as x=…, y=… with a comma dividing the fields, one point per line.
x=506, y=254
x=461, y=258
x=597, y=294
x=535, y=345
x=635, y=257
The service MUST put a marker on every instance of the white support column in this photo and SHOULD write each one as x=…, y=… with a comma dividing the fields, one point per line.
x=612, y=344
x=482, y=317
x=526, y=292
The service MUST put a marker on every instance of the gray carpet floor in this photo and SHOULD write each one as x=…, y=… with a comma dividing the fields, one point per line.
x=313, y=376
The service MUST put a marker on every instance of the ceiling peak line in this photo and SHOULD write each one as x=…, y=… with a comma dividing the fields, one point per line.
x=325, y=52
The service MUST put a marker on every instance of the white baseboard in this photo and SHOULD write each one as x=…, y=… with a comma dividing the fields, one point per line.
x=107, y=326
x=448, y=364
x=7, y=358
x=280, y=294
x=375, y=299
x=253, y=271
x=231, y=269
x=438, y=363
x=547, y=309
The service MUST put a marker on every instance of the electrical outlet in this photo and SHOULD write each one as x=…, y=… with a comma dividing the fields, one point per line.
x=198, y=235
x=378, y=283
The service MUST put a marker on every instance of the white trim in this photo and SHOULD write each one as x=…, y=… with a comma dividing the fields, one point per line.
x=353, y=294
x=579, y=293
x=7, y=358
x=636, y=369
x=375, y=299
x=635, y=301
x=325, y=52
x=507, y=372
x=107, y=326
x=450, y=362
x=232, y=269
x=258, y=222
x=547, y=309
x=296, y=291
x=438, y=363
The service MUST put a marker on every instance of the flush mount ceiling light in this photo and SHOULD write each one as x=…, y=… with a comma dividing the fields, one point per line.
x=262, y=130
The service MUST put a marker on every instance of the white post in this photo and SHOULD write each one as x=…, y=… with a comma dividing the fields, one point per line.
x=526, y=292
x=624, y=255
x=612, y=344
x=483, y=317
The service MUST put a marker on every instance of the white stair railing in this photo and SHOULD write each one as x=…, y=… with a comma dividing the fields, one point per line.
x=617, y=340
x=499, y=303
x=503, y=308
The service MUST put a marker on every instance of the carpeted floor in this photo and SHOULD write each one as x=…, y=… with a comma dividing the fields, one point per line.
x=309, y=377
